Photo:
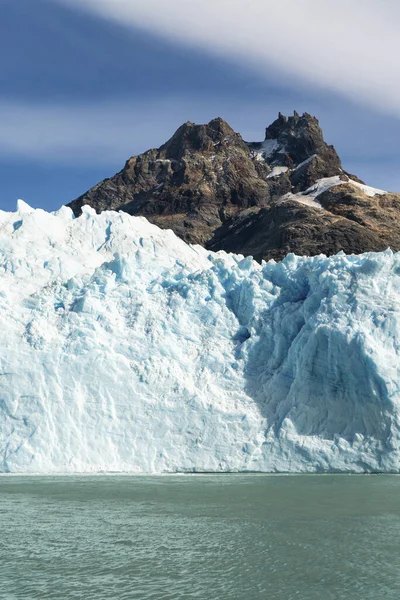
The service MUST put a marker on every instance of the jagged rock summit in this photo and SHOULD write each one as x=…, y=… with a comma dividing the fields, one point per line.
x=288, y=193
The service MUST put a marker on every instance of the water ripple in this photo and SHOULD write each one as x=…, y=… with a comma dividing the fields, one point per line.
x=230, y=537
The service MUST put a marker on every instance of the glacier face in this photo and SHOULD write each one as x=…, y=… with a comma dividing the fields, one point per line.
x=124, y=349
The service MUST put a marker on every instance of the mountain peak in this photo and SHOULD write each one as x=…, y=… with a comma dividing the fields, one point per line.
x=284, y=125
x=191, y=137
x=300, y=137
x=262, y=198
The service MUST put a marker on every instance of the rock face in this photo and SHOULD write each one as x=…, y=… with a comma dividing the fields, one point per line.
x=286, y=194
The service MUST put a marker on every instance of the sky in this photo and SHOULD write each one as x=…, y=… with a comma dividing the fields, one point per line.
x=85, y=84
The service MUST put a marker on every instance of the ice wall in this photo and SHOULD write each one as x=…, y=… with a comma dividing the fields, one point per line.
x=124, y=349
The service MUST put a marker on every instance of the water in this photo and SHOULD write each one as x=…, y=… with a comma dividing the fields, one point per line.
x=207, y=537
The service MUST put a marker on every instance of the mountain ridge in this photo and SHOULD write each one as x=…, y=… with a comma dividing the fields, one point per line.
x=286, y=194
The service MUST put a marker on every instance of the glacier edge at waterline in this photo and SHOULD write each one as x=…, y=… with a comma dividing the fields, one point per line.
x=124, y=349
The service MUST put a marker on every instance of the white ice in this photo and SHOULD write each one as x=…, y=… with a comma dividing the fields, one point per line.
x=367, y=189
x=310, y=196
x=276, y=171
x=268, y=147
x=124, y=349
x=305, y=162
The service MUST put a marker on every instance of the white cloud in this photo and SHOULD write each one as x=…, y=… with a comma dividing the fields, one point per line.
x=351, y=47
x=109, y=133
x=81, y=134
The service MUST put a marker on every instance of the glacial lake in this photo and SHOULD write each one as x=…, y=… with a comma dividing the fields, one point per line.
x=236, y=537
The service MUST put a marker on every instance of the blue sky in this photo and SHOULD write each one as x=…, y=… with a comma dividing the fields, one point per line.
x=82, y=90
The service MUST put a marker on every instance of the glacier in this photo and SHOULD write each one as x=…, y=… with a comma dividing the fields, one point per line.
x=124, y=349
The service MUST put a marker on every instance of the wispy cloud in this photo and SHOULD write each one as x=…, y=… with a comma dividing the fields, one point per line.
x=82, y=133
x=107, y=133
x=351, y=47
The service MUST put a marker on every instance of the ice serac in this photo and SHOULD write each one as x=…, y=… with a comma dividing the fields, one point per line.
x=124, y=349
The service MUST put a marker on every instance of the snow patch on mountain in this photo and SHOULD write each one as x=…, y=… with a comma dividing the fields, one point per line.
x=276, y=171
x=367, y=189
x=266, y=149
x=124, y=349
x=310, y=196
x=305, y=162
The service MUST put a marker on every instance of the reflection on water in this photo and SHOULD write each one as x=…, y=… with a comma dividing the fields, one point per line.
x=208, y=537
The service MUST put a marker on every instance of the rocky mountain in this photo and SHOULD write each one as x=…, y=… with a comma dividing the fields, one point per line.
x=288, y=193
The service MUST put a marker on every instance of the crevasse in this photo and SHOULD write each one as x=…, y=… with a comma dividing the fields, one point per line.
x=124, y=349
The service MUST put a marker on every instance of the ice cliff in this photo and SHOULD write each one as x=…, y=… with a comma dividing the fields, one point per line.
x=124, y=349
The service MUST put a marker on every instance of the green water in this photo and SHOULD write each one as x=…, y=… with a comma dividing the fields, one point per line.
x=206, y=537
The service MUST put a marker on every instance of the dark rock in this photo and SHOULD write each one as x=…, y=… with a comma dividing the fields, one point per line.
x=203, y=175
x=212, y=188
